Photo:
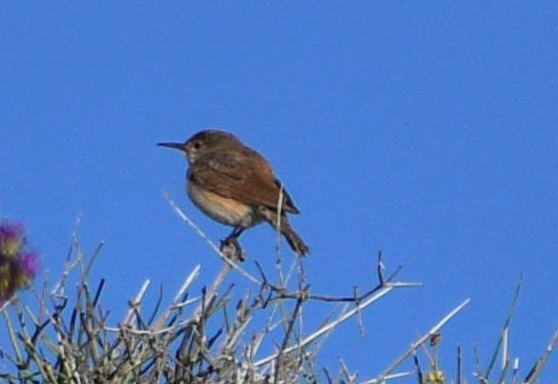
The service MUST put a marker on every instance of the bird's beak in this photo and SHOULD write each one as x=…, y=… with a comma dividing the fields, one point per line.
x=179, y=146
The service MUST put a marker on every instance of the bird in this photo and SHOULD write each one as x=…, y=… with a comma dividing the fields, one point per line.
x=235, y=185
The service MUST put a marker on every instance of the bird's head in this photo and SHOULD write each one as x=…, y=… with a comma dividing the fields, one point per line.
x=204, y=142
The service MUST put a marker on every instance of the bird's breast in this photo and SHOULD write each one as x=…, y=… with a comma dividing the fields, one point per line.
x=222, y=209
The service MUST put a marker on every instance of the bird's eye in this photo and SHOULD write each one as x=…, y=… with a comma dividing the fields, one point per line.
x=197, y=145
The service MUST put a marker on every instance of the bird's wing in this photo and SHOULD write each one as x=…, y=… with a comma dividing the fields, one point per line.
x=231, y=174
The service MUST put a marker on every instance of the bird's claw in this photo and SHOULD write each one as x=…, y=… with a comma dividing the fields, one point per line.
x=230, y=247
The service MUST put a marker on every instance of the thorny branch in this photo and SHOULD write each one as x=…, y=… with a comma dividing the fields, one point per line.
x=179, y=344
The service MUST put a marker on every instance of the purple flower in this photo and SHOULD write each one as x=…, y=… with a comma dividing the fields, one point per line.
x=11, y=229
x=18, y=266
x=11, y=238
x=29, y=263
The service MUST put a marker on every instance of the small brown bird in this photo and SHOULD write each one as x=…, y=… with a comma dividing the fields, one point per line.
x=234, y=185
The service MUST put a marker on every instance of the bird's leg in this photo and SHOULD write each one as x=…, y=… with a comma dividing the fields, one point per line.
x=237, y=231
x=233, y=235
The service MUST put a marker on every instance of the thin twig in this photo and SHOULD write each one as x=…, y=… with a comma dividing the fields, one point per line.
x=188, y=221
x=136, y=302
x=424, y=338
x=185, y=286
x=379, y=294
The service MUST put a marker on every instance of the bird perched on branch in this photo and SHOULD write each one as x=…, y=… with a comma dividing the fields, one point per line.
x=234, y=185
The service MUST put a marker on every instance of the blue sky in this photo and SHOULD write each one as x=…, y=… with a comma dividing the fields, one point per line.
x=425, y=130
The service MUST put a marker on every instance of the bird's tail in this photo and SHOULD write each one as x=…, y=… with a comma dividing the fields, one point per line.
x=295, y=241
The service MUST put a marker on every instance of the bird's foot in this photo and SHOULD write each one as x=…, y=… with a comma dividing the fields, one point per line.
x=230, y=247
